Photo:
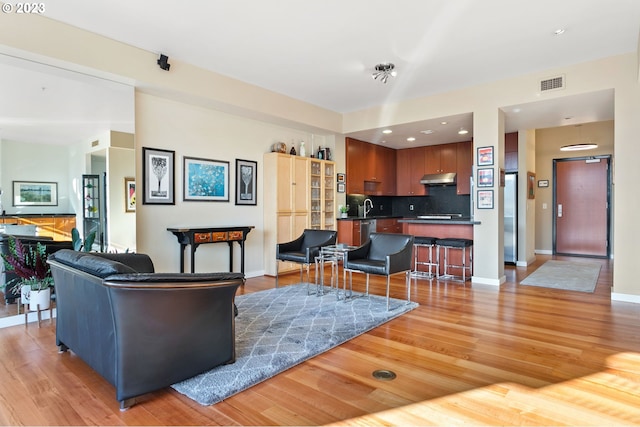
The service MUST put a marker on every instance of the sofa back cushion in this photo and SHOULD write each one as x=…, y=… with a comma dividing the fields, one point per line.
x=92, y=264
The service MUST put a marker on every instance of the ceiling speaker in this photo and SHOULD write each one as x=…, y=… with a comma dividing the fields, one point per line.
x=163, y=62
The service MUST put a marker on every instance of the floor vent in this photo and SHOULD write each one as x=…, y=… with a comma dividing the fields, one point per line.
x=552, y=83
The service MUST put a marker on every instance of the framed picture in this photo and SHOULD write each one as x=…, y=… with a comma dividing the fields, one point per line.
x=129, y=194
x=205, y=180
x=485, y=156
x=32, y=193
x=341, y=177
x=543, y=183
x=341, y=187
x=158, y=172
x=531, y=179
x=246, y=176
x=485, y=177
x=485, y=199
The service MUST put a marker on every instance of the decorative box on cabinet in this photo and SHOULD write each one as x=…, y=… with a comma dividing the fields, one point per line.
x=300, y=194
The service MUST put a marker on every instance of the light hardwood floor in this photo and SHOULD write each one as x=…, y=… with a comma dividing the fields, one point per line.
x=475, y=354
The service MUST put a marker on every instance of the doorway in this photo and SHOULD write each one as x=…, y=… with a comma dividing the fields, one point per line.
x=582, y=206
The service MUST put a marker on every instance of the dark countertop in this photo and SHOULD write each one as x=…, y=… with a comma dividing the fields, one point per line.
x=460, y=221
x=401, y=219
x=360, y=218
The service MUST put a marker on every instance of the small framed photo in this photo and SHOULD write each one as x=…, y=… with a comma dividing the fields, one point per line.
x=158, y=171
x=341, y=177
x=31, y=193
x=485, y=156
x=246, y=177
x=129, y=194
x=205, y=180
x=531, y=179
x=542, y=183
x=485, y=177
x=341, y=187
x=485, y=199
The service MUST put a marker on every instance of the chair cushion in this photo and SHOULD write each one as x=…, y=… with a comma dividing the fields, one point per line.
x=299, y=257
x=421, y=240
x=368, y=266
x=455, y=243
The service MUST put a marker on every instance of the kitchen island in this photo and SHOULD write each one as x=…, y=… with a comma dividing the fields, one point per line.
x=460, y=228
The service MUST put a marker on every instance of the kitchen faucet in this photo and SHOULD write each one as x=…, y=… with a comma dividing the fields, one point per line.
x=366, y=211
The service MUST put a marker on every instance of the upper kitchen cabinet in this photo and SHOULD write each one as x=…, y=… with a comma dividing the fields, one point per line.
x=370, y=168
x=464, y=161
x=385, y=161
x=511, y=152
x=441, y=158
x=410, y=167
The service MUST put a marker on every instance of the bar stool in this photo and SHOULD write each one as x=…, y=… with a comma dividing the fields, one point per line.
x=452, y=243
x=423, y=242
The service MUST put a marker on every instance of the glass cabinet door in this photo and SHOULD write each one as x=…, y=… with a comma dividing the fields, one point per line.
x=316, y=194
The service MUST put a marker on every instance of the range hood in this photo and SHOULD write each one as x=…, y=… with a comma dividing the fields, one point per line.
x=439, y=179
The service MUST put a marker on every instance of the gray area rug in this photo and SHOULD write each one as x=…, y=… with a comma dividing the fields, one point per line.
x=572, y=276
x=282, y=327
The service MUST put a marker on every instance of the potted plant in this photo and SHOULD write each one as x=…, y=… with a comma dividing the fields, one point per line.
x=29, y=263
x=344, y=211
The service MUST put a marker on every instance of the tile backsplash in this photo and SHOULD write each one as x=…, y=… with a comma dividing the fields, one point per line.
x=442, y=199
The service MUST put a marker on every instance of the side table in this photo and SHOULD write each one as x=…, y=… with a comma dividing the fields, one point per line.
x=333, y=254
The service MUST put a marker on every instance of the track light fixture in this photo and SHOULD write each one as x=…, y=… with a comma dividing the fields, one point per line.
x=383, y=71
x=163, y=62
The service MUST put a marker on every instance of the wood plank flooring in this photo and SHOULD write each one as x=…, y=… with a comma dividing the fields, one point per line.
x=474, y=354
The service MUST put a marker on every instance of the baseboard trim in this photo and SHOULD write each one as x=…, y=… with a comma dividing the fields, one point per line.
x=625, y=297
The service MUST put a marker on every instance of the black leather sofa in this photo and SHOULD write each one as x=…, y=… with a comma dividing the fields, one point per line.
x=142, y=331
x=7, y=282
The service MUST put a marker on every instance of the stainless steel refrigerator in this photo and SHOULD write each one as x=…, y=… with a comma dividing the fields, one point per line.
x=511, y=218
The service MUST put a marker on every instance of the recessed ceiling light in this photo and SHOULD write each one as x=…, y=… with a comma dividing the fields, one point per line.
x=411, y=139
x=443, y=122
x=463, y=131
x=427, y=132
x=387, y=131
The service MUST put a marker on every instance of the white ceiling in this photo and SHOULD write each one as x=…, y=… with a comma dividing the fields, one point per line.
x=323, y=52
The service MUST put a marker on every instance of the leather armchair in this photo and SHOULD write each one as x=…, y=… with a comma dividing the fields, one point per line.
x=142, y=331
x=304, y=249
x=384, y=254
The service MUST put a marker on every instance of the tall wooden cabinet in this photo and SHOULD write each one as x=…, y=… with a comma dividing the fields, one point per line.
x=299, y=193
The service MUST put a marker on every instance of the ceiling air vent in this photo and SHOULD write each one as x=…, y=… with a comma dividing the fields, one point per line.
x=552, y=83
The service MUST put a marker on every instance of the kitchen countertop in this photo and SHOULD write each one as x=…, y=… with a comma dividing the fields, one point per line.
x=401, y=219
x=462, y=221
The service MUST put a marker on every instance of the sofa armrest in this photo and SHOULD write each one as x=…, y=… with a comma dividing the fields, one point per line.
x=180, y=328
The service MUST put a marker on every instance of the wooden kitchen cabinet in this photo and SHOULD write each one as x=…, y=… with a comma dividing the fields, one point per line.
x=370, y=168
x=441, y=158
x=511, y=152
x=410, y=167
x=464, y=161
x=357, y=160
x=388, y=225
x=349, y=232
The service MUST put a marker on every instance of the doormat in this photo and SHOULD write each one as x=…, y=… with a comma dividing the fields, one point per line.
x=570, y=276
x=279, y=328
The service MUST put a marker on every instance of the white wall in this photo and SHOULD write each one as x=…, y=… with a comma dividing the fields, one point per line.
x=34, y=162
x=205, y=133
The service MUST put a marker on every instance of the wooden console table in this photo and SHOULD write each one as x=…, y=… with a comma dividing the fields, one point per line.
x=195, y=236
